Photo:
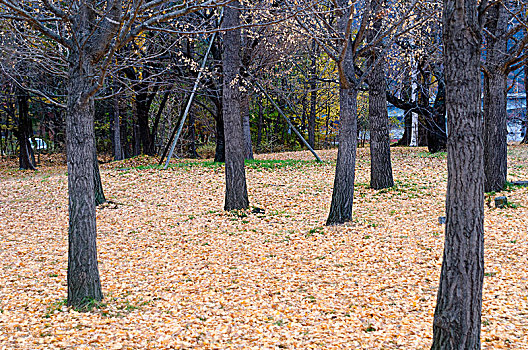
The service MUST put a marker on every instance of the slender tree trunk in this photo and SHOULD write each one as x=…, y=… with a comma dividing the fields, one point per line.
x=236, y=196
x=495, y=112
x=244, y=108
x=260, y=124
x=83, y=274
x=98, y=184
x=380, y=165
x=313, y=96
x=343, y=191
x=192, y=136
x=118, y=149
x=24, y=132
x=525, y=140
x=457, y=318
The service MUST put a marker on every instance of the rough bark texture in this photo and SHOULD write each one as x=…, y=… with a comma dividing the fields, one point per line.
x=457, y=318
x=24, y=132
x=83, y=274
x=343, y=191
x=525, y=140
x=380, y=165
x=244, y=109
x=495, y=113
x=236, y=196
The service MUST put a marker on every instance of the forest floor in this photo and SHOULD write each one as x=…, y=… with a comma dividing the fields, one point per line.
x=179, y=272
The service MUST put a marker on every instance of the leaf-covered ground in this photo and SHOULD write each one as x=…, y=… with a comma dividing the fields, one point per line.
x=178, y=272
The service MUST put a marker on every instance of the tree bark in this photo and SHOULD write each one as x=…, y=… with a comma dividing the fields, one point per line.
x=380, y=164
x=437, y=135
x=244, y=108
x=118, y=148
x=83, y=274
x=313, y=96
x=220, y=136
x=343, y=191
x=457, y=318
x=525, y=140
x=24, y=132
x=495, y=112
x=236, y=196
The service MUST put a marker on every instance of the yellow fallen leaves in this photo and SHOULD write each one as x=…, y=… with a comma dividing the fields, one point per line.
x=179, y=273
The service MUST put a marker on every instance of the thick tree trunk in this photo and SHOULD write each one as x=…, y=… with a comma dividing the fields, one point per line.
x=343, y=191
x=380, y=164
x=244, y=109
x=495, y=112
x=236, y=196
x=24, y=132
x=84, y=285
x=495, y=132
x=457, y=318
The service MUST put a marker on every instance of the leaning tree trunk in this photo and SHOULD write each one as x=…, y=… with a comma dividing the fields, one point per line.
x=457, y=318
x=380, y=164
x=24, y=132
x=343, y=192
x=236, y=196
x=495, y=112
x=83, y=274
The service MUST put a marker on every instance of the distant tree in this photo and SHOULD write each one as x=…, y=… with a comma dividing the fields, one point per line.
x=504, y=54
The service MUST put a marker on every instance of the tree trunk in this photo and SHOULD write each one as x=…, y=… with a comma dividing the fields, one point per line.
x=437, y=136
x=220, y=136
x=525, y=140
x=236, y=196
x=84, y=285
x=495, y=112
x=313, y=96
x=260, y=124
x=192, y=136
x=24, y=132
x=244, y=108
x=118, y=149
x=457, y=318
x=380, y=165
x=98, y=185
x=343, y=191
x=495, y=132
